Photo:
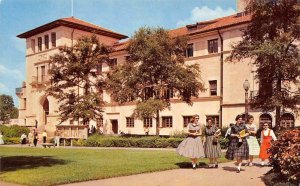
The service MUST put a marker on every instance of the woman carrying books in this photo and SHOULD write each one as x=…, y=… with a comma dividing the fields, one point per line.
x=267, y=135
x=238, y=148
x=251, y=140
x=192, y=146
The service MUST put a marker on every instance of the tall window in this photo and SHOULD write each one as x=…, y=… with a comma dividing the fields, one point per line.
x=33, y=45
x=215, y=120
x=213, y=46
x=129, y=122
x=43, y=77
x=167, y=122
x=265, y=118
x=24, y=103
x=186, y=120
x=147, y=122
x=99, y=122
x=46, y=42
x=190, y=50
x=39, y=44
x=168, y=93
x=113, y=63
x=53, y=39
x=213, y=87
x=287, y=120
x=148, y=91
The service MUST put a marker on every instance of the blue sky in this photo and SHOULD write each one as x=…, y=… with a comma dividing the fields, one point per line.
x=123, y=16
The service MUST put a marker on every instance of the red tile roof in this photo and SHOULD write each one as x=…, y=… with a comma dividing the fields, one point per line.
x=219, y=23
x=73, y=23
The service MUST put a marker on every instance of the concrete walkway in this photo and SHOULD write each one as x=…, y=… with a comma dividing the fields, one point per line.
x=225, y=175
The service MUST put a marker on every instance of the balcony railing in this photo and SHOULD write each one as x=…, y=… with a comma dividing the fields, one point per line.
x=19, y=91
x=40, y=79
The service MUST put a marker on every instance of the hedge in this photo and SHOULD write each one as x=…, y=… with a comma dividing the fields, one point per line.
x=13, y=140
x=141, y=142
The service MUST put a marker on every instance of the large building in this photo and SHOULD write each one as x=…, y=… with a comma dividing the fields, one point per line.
x=209, y=45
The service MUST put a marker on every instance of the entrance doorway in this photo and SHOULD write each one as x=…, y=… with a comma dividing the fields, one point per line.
x=114, y=124
x=46, y=110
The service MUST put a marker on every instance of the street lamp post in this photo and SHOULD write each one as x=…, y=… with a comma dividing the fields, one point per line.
x=246, y=86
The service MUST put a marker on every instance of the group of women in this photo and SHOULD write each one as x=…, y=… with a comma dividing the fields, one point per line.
x=243, y=144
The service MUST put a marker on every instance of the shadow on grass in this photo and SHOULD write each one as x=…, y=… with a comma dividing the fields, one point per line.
x=188, y=165
x=13, y=163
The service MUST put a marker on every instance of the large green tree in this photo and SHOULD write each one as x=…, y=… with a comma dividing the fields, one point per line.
x=7, y=108
x=76, y=83
x=154, y=72
x=271, y=40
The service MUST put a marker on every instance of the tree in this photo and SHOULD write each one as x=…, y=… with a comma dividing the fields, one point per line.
x=271, y=40
x=154, y=72
x=76, y=83
x=7, y=108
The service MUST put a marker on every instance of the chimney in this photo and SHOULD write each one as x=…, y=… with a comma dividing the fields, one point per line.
x=242, y=4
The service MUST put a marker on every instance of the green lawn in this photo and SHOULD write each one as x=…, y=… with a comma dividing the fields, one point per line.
x=36, y=166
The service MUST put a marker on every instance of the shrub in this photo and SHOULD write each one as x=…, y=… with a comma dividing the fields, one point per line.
x=178, y=134
x=10, y=141
x=285, y=154
x=13, y=131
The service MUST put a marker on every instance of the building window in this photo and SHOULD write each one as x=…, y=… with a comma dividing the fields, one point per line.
x=190, y=50
x=213, y=46
x=99, y=122
x=39, y=44
x=129, y=122
x=43, y=76
x=99, y=68
x=213, y=87
x=147, y=122
x=33, y=45
x=127, y=58
x=53, y=39
x=24, y=105
x=148, y=92
x=167, y=122
x=186, y=120
x=71, y=121
x=113, y=63
x=215, y=120
x=189, y=92
x=265, y=118
x=168, y=93
x=287, y=120
x=46, y=42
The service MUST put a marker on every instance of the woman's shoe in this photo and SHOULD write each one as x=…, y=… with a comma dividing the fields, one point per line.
x=238, y=171
x=194, y=166
x=216, y=166
x=250, y=164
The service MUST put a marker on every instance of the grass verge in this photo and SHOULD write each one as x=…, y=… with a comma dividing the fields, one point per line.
x=36, y=166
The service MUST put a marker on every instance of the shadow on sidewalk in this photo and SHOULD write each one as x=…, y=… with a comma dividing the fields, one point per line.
x=188, y=165
x=13, y=163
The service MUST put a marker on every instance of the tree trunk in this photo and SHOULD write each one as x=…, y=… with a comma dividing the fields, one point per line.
x=277, y=120
x=157, y=122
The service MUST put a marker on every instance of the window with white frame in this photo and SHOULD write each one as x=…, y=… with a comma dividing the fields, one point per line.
x=147, y=122
x=190, y=50
x=186, y=120
x=129, y=122
x=53, y=39
x=215, y=120
x=213, y=87
x=167, y=122
x=212, y=46
x=46, y=39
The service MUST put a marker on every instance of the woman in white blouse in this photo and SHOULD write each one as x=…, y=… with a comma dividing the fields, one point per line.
x=267, y=135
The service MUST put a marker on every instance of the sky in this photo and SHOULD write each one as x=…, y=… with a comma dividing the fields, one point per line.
x=122, y=16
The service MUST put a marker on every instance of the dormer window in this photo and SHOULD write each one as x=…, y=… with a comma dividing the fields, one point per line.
x=39, y=44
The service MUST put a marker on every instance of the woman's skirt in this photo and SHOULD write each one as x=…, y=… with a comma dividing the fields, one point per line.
x=253, y=146
x=238, y=150
x=191, y=148
x=212, y=150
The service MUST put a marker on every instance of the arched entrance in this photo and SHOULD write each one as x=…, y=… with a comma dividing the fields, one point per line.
x=265, y=118
x=45, y=110
x=287, y=120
